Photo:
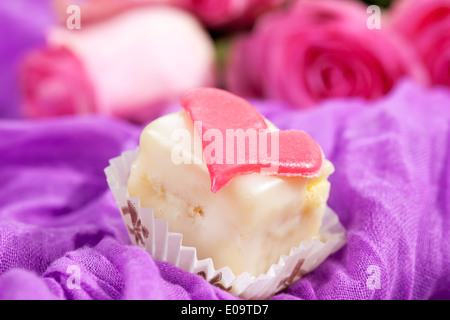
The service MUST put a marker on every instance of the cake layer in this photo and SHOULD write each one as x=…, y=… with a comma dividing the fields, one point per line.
x=247, y=224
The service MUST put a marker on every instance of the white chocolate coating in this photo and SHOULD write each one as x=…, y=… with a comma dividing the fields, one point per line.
x=247, y=225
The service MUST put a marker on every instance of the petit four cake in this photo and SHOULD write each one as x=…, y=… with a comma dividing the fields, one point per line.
x=238, y=189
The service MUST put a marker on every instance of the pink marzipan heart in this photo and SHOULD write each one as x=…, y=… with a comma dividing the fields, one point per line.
x=218, y=111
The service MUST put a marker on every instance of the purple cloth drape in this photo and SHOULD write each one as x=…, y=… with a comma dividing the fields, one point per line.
x=390, y=190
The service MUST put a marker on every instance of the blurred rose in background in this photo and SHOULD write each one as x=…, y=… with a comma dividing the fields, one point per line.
x=426, y=24
x=229, y=14
x=130, y=65
x=318, y=50
x=133, y=59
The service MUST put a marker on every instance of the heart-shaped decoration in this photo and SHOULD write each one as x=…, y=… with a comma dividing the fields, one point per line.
x=236, y=140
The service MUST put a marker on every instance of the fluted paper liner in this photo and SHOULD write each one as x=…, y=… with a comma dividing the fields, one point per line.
x=153, y=235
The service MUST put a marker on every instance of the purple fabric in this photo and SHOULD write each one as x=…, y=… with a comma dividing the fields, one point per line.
x=23, y=24
x=390, y=190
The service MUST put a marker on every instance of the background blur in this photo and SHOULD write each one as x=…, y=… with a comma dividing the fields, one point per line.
x=134, y=58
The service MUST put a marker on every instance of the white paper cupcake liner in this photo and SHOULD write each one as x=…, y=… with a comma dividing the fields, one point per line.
x=153, y=235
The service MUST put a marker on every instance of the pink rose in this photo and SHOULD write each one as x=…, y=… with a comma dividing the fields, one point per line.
x=228, y=13
x=55, y=83
x=426, y=23
x=131, y=65
x=318, y=50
